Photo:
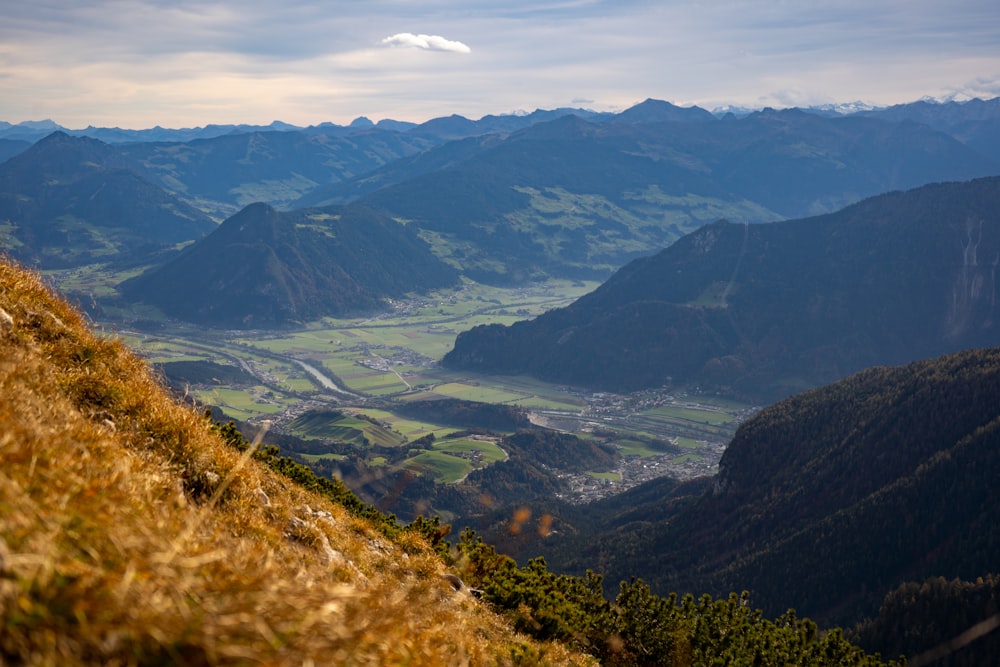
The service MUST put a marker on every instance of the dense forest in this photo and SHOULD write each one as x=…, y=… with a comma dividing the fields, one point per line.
x=264, y=268
x=830, y=499
x=457, y=412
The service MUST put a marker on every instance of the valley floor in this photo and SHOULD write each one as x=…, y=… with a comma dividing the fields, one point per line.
x=369, y=365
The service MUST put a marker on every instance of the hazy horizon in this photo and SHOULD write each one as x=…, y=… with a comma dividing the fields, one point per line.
x=516, y=112
x=187, y=64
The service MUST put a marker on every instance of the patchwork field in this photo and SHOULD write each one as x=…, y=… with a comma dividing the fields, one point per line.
x=367, y=365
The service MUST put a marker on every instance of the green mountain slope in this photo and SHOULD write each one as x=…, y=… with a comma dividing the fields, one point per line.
x=581, y=197
x=264, y=268
x=67, y=201
x=766, y=310
x=272, y=167
x=566, y=198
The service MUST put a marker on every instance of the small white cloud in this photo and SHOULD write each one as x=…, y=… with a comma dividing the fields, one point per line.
x=428, y=42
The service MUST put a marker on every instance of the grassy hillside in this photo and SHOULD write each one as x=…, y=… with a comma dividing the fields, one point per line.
x=134, y=532
x=131, y=533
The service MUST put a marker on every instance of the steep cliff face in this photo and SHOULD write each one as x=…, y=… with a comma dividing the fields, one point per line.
x=974, y=287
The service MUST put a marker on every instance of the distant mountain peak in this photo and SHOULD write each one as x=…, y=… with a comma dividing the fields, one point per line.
x=659, y=111
x=46, y=124
x=263, y=267
x=61, y=153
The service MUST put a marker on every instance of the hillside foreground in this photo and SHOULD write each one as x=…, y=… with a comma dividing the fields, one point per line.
x=135, y=532
x=131, y=533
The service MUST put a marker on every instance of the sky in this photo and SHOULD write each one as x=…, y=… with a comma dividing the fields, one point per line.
x=187, y=63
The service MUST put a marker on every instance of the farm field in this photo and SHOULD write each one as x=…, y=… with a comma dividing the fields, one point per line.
x=367, y=365
x=451, y=460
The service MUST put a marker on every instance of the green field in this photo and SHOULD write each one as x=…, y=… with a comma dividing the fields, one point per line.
x=636, y=448
x=451, y=460
x=342, y=427
x=311, y=458
x=491, y=453
x=393, y=357
x=243, y=403
x=480, y=393
x=409, y=340
x=439, y=465
x=410, y=428
x=692, y=414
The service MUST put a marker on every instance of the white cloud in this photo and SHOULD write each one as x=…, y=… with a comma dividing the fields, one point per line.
x=428, y=42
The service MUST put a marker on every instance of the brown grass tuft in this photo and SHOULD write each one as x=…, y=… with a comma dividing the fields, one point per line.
x=130, y=534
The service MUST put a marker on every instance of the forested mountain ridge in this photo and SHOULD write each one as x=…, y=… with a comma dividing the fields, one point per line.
x=67, y=201
x=828, y=500
x=265, y=268
x=943, y=622
x=763, y=311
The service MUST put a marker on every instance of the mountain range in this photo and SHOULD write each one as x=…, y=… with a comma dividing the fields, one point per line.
x=69, y=201
x=826, y=501
x=934, y=112
x=764, y=311
x=505, y=199
x=577, y=197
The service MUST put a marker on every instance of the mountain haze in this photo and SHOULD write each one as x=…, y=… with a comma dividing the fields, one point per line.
x=274, y=167
x=578, y=197
x=67, y=201
x=976, y=123
x=509, y=199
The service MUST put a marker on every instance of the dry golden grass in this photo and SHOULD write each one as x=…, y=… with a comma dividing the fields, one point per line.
x=130, y=534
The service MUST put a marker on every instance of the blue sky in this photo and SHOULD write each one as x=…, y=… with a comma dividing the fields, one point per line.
x=187, y=63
